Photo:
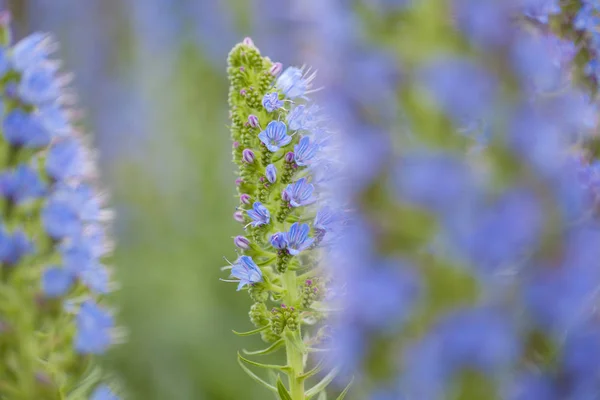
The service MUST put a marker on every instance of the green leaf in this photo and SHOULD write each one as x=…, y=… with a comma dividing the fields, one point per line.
x=256, y=378
x=322, y=384
x=272, y=348
x=345, y=392
x=283, y=392
x=283, y=368
x=315, y=370
x=249, y=333
x=322, y=396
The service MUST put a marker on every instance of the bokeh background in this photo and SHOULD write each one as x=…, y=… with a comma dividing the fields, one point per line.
x=151, y=79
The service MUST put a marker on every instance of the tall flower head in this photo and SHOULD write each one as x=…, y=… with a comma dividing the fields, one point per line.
x=286, y=301
x=53, y=233
x=275, y=136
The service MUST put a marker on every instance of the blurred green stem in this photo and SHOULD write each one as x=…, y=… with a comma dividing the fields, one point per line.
x=294, y=354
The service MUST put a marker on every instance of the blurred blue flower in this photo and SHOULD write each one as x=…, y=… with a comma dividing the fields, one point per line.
x=93, y=329
x=56, y=281
x=24, y=129
x=279, y=240
x=21, y=184
x=66, y=160
x=39, y=84
x=103, y=392
x=293, y=83
x=14, y=246
x=303, y=117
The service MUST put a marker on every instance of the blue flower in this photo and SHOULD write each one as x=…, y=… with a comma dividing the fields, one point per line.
x=303, y=118
x=31, y=51
x=293, y=83
x=39, y=85
x=68, y=208
x=22, y=184
x=14, y=247
x=23, y=129
x=93, y=329
x=300, y=193
x=82, y=260
x=271, y=101
x=103, y=392
x=56, y=281
x=246, y=270
x=259, y=214
x=298, y=238
x=279, y=240
x=463, y=89
x=66, y=160
x=325, y=218
x=4, y=62
x=55, y=119
x=275, y=136
x=305, y=151
x=271, y=173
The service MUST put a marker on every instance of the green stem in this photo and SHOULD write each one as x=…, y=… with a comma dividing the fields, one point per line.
x=294, y=355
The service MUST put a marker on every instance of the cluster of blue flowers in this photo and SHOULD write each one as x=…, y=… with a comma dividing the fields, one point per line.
x=278, y=141
x=52, y=236
x=469, y=267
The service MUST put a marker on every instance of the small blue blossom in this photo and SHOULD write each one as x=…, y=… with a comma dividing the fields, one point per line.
x=14, y=247
x=31, y=51
x=65, y=160
x=4, y=62
x=23, y=129
x=39, y=84
x=93, y=329
x=246, y=270
x=293, y=83
x=541, y=10
x=325, y=219
x=103, y=392
x=463, y=89
x=300, y=193
x=67, y=209
x=271, y=173
x=275, y=136
x=259, y=214
x=56, y=281
x=55, y=119
x=21, y=185
x=305, y=151
x=302, y=117
x=298, y=238
x=271, y=101
x=81, y=259
x=279, y=240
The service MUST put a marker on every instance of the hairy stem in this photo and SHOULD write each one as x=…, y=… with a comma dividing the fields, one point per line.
x=294, y=355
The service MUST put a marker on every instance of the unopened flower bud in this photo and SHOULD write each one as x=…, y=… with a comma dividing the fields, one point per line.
x=238, y=216
x=245, y=198
x=289, y=157
x=253, y=121
x=242, y=242
x=276, y=69
x=248, y=42
x=248, y=156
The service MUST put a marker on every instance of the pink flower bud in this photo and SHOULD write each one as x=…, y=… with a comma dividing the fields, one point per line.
x=248, y=42
x=253, y=121
x=245, y=198
x=238, y=216
x=289, y=157
x=276, y=68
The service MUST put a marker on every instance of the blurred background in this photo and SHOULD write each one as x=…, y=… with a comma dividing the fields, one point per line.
x=151, y=79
